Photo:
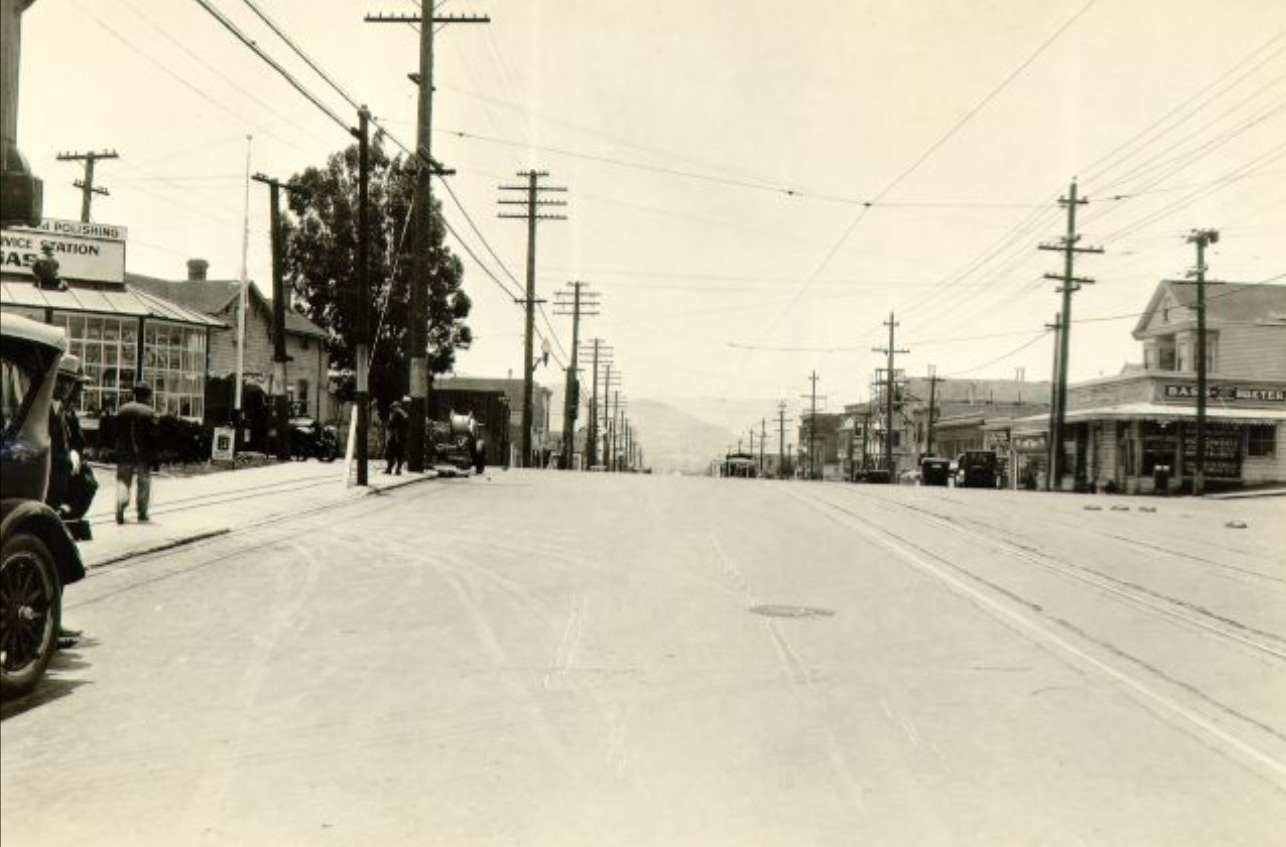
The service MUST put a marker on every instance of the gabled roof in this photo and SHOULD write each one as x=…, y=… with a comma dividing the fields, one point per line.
x=1226, y=302
x=214, y=296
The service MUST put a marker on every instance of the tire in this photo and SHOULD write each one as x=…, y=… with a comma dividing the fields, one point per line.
x=30, y=611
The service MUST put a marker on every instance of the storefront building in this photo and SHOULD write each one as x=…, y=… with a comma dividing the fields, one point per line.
x=1136, y=430
x=122, y=336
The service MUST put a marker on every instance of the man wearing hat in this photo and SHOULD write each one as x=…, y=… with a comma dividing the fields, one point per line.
x=71, y=484
x=66, y=441
x=395, y=449
x=135, y=451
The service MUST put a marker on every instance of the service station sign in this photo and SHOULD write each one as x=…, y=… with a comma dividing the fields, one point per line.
x=90, y=252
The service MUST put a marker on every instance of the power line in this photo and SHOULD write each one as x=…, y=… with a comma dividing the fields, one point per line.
x=272, y=63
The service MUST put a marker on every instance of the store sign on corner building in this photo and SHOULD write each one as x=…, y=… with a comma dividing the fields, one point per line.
x=1227, y=392
x=91, y=252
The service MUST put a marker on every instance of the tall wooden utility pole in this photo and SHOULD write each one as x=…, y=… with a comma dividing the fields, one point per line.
x=890, y=352
x=581, y=302
x=533, y=188
x=781, y=439
x=1057, y=327
x=763, y=436
x=86, y=185
x=1202, y=238
x=417, y=336
x=1070, y=284
x=601, y=352
x=362, y=308
x=933, y=384
x=277, y=388
x=812, y=425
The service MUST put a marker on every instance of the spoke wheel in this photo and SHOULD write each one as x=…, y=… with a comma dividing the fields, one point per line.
x=30, y=607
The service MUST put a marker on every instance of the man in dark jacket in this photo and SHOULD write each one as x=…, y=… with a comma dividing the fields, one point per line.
x=135, y=451
x=66, y=441
x=395, y=450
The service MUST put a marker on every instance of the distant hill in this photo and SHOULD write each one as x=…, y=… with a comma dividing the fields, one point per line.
x=674, y=440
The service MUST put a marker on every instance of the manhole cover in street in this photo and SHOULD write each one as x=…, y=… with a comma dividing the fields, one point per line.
x=779, y=611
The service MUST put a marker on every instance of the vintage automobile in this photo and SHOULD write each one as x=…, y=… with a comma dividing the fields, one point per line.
x=310, y=439
x=37, y=555
x=458, y=442
x=976, y=469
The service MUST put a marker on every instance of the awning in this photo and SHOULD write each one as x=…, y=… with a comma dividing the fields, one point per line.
x=125, y=302
x=1159, y=412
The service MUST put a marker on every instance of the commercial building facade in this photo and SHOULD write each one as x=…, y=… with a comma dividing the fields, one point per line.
x=122, y=335
x=1138, y=429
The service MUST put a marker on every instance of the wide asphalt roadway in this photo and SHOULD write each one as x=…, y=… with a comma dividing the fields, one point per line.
x=534, y=658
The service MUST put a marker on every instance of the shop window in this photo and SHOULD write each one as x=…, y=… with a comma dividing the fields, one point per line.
x=1261, y=441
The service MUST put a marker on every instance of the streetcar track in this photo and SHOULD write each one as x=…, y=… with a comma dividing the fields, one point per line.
x=1153, y=601
x=936, y=565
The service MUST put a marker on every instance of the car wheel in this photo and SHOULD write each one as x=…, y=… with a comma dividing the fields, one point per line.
x=30, y=607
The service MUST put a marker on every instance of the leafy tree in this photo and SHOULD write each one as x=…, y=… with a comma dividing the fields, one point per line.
x=320, y=266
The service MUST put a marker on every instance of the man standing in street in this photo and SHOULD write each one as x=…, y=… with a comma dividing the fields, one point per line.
x=135, y=451
x=396, y=448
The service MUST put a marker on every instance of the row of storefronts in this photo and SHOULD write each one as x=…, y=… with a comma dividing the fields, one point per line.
x=1132, y=432
x=178, y=336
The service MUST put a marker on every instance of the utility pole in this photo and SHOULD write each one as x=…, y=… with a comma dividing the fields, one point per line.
x=86, y=185
x=1070, y=284
x=610, y=379
x=616, y=409
x=362, y=337
x=417, y=336
x=602, y=351
x=1202, y=238
x=933, y=384
x=812, y=424
x=890, y=352
x=763, y=436
x=1057, y=327
x=531, y=215
x=277, y=388
x=781, y=439
x=581, y=302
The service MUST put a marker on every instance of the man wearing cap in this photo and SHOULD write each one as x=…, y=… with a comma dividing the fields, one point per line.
x=135, y=451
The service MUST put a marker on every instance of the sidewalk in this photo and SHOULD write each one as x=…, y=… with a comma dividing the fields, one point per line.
x=189, y=508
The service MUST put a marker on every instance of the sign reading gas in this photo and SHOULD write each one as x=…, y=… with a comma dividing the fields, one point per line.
x=1227, y=392
x=85, y=251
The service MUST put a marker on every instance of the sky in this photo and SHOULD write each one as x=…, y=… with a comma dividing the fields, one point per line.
x=753, y=188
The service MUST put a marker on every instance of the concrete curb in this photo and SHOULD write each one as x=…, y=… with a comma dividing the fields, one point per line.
x=204, y=535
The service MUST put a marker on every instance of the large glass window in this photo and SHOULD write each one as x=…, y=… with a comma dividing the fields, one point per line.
x=1261, y=440
x=174, y=364
x=107, y=347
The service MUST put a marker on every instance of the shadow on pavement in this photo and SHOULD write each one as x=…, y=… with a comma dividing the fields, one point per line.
x=51, y=688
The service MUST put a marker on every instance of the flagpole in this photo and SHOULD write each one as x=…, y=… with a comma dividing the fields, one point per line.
x=241, y=292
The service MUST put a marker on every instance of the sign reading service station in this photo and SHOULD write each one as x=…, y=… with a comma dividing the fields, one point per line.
x=85, y=251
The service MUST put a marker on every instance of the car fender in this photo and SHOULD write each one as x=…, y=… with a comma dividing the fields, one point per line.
x=43, y=522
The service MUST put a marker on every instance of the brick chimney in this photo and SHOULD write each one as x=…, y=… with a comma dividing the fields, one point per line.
x=197, y=269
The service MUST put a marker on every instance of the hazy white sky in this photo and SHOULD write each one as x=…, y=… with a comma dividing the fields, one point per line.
x=681, y=130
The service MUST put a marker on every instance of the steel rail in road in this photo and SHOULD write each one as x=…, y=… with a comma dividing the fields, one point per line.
x=991, y=598
x=1272, y=644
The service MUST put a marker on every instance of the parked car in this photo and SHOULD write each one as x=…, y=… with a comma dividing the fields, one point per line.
x=310, y=439
x=37, y=555
x=935, y=470
x=977, y=469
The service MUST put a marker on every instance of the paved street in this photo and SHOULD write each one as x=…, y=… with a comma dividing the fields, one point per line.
x=533, y=658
